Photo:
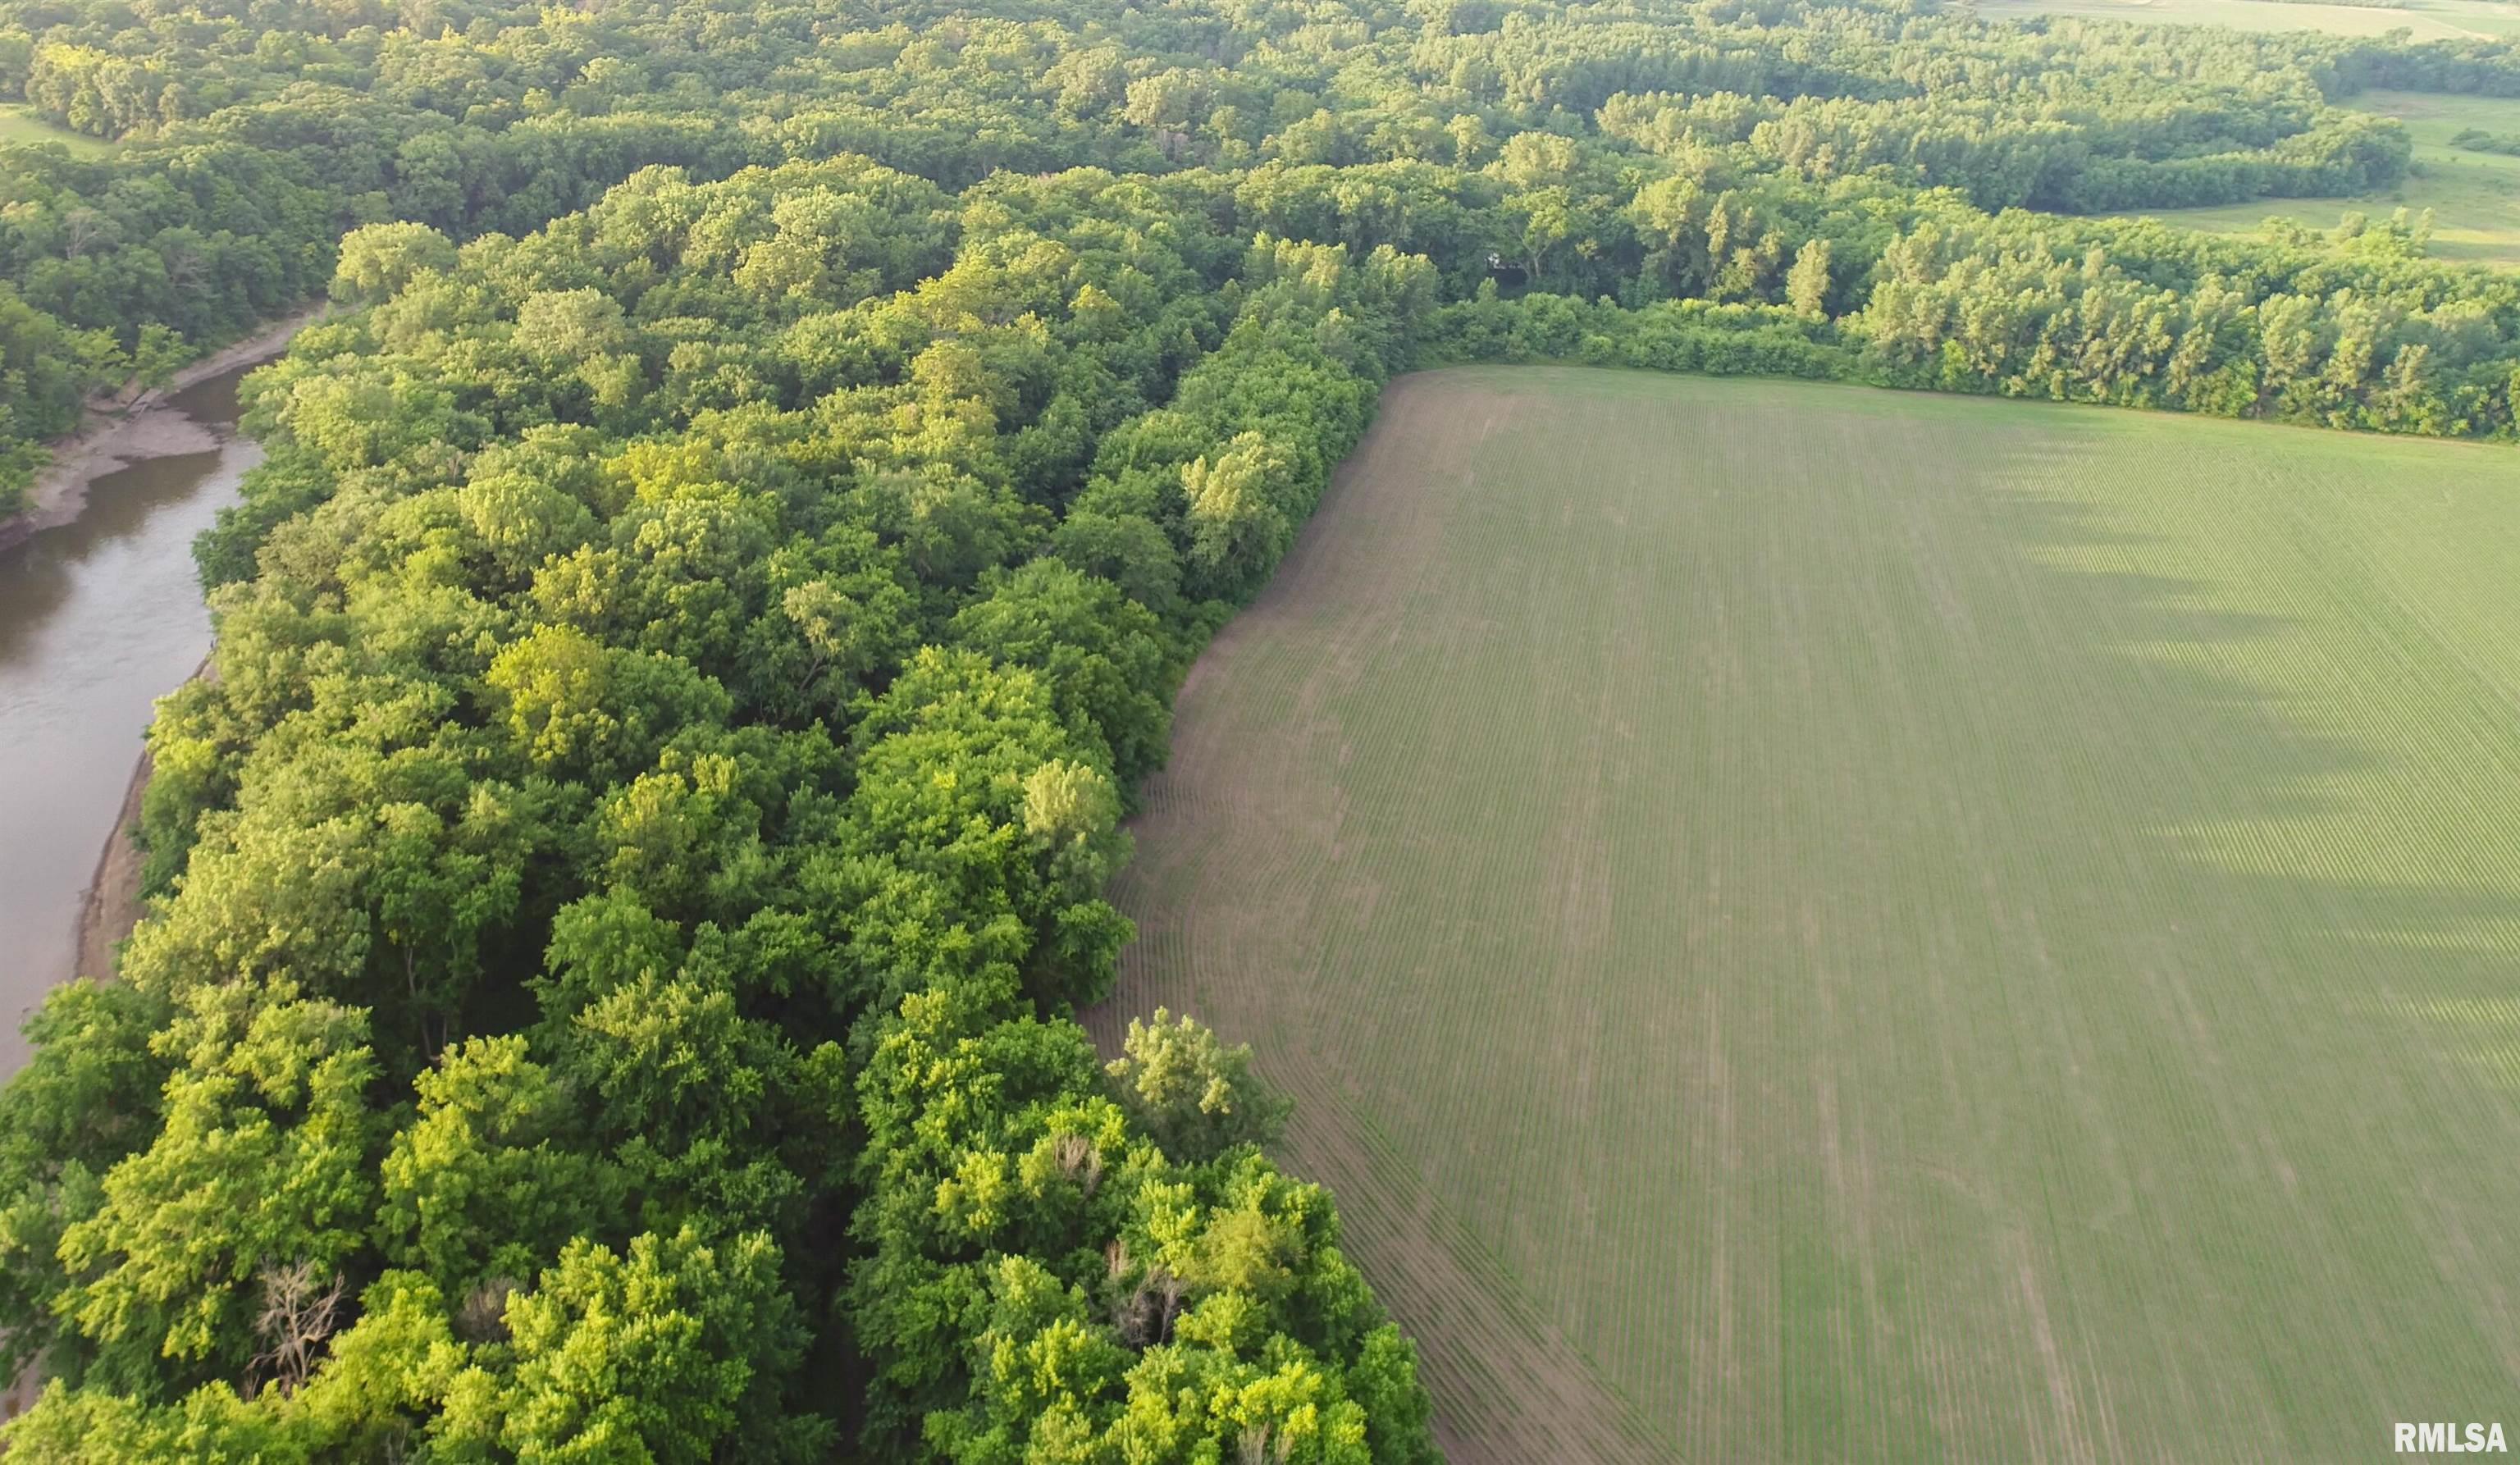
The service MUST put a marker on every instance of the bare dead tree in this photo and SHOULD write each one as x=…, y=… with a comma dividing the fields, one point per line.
x=1080, y=1161
x=298, y=1315
x=85, y=228
x=1143, y=1314
x=483, y=1318
x=1133, y=1319
x=1168, y=1291
x=1133, y=1312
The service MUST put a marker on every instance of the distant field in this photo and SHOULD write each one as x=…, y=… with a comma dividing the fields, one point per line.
x=2427, y=20
x=18, y=124
x=2474, y=196
x=1818, y=924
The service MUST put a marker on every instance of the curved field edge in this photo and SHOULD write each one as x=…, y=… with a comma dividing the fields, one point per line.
x=1808, y=922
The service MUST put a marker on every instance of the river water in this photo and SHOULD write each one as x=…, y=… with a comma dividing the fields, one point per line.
x=99, y=618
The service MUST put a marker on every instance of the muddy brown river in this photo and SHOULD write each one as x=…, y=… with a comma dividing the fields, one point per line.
x=99, y=618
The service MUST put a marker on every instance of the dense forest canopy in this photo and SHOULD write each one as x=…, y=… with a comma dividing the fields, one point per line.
x=719, y=576
x=1589, y=145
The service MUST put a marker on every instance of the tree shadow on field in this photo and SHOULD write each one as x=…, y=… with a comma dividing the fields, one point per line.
x=2143, y=643
x=2304, y=1031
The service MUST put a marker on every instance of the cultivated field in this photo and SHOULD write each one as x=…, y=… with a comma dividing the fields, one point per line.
x=1818, y=924
x=2474, y=196
x=2423, y=20
x=20, y=124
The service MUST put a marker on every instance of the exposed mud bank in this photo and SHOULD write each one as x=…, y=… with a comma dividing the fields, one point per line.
x=127, y=430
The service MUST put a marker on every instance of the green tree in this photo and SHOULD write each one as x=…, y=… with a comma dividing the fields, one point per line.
x=265, y=1163
x=1807, y=284
x=491, y=1179
x=673, y=1351
x=379, y=260
x=1196, y=1097
x=1101, y=655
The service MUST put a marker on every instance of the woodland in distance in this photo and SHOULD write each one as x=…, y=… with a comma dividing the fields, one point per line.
x=723, y=568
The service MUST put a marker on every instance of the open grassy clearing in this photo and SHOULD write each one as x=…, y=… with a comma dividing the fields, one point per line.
x=1811, y=923
x=20, y=124
x=2474, y=196
x=2424, y=20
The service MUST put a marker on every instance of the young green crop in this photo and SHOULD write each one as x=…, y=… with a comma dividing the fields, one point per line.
x=1807, y=923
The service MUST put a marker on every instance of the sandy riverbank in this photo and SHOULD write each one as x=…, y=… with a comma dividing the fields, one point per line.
x=127, y=430
x=115, y=435
x=110, y=906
